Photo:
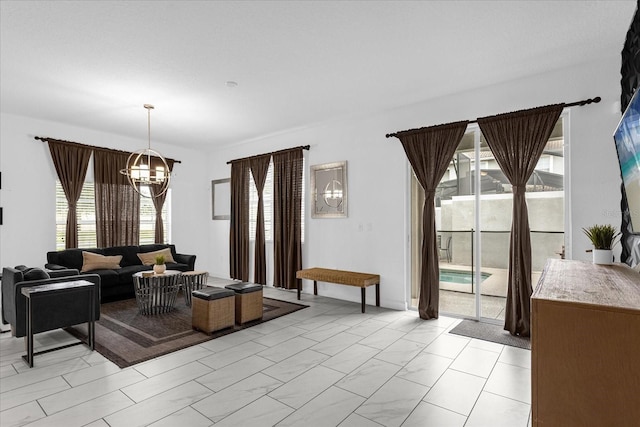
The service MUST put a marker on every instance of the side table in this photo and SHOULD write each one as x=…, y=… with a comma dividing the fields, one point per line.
x=156, y=293
x=59, y=305
x=193, y=281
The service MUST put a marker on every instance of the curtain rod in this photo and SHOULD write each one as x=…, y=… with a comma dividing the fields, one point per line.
x=304, y=147
x=572, y=104
x=94, y=147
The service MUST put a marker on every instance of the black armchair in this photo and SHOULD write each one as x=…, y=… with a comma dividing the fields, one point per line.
x=14, y=303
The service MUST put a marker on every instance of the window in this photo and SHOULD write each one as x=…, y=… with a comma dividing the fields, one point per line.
x=148, y=218
x=86, y=212
x=87, y=217
x=267, y=198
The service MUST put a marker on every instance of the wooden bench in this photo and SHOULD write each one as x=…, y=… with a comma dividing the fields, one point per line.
x=340, y=277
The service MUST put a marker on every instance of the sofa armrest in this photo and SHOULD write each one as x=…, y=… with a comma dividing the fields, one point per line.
x=50, y=266
x=64, y=272
x=190, y=260
x=10, y=276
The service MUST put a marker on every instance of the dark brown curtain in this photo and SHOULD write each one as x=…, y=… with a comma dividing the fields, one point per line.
x=430, y=151
x=287, y=201
x=239, y=230
x=259, y=169
x=517, y=141
x=117, y=202
x=71, y=162
x=158, y=201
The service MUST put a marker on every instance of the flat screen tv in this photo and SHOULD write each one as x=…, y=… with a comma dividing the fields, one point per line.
x=627, y=138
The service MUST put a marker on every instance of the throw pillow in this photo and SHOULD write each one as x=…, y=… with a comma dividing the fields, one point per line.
x=35, y=274
x=149, y=258
x=91, y=261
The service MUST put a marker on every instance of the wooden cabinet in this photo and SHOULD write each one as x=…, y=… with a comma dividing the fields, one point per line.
x=585, y=345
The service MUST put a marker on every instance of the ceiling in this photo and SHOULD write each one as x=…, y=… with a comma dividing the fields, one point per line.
x=93, y=64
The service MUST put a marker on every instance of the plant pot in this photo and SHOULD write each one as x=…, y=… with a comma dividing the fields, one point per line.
x=159, y=268
x=603, y=256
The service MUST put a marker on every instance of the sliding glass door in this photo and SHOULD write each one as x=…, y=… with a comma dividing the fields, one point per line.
x=473, y=222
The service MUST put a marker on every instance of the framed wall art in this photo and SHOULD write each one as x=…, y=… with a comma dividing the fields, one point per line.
x=221, y=198
x=329, y=190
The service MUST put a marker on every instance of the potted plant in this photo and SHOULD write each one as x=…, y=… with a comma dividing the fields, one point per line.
x=159, y=266
x=603, y=239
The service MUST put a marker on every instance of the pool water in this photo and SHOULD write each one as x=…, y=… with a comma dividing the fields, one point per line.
x=464, y=277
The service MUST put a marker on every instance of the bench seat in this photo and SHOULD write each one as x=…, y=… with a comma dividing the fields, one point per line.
x=340, y=277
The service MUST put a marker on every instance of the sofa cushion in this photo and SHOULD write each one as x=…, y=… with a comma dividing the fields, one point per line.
x=149, y=258
x=35, y=274
x=125, y=273
x=70, y=258
x=108, y=278
x=157, y=247
x=91, y=261
x=129, y=254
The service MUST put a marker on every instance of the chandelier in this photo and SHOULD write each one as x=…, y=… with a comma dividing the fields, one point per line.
x=148, y=168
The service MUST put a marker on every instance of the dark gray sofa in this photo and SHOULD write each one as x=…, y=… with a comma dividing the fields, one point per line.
x=117, y=284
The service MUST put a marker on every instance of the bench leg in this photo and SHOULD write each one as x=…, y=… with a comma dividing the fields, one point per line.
x=315, y=287
x=377, y=294
x=299, y=287
x=363, y=294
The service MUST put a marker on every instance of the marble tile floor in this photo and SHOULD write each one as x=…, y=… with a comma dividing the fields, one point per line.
x=326, y=365
x=463, y=304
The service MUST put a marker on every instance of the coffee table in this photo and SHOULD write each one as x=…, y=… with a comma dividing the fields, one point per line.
x=156, y=293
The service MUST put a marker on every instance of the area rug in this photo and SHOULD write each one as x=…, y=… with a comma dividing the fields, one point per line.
x=489, y=332
x=126, y=337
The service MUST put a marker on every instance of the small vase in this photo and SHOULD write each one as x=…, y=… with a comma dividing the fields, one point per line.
x=603, y=256
x=159, y=268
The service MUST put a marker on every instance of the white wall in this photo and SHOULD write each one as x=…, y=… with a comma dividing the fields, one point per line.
x=28, y=189
x=377, y=172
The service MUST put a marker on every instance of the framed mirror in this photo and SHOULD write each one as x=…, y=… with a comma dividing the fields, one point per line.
x=329, y=190
x=221, y=198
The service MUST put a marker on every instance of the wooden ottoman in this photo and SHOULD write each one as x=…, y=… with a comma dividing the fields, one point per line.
x=192, y=281
x=213, y=309
x=248, y=301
